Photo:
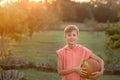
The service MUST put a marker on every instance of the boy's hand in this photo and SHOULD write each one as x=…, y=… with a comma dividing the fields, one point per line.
x=81, y=70
x=95, y=75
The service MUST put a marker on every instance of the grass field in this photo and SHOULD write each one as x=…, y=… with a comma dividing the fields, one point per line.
x=42, y=46
x=46, y=44
x=39, y=75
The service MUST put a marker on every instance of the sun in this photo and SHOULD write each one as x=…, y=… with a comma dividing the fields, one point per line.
x=37, y=0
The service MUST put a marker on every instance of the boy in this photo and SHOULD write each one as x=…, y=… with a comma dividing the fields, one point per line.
x=71, y=57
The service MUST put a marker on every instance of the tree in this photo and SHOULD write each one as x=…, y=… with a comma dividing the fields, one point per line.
x=41, y=17
x=21, y=19
x=12, y=27
x=102, y=14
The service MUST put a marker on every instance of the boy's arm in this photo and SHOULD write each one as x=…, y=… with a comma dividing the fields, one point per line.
x=64, y=72
x=100, y=60
x=77, y=69
x=96, y=75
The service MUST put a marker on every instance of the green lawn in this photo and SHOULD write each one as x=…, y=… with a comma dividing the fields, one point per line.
x=42, y=46
x=46, y=44
x=39, y=75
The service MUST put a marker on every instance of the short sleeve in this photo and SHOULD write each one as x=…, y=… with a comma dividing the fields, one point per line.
x=87, y=53
x=59, y=54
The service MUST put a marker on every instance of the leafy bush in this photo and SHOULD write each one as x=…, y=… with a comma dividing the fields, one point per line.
x=113, y=33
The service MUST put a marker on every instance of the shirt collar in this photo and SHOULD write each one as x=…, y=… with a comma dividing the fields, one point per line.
x=67, y=47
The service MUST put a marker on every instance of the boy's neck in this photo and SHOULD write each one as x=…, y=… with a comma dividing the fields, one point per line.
x=71, y=46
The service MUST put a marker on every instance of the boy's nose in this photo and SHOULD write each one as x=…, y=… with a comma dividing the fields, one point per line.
x=72, y=36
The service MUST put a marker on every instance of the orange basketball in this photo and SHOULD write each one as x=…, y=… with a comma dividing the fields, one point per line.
x=92, y=65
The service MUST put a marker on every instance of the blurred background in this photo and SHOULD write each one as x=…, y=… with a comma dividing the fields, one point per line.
x=31, y=31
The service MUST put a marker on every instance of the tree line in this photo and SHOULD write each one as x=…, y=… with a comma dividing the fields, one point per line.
x=99, y=10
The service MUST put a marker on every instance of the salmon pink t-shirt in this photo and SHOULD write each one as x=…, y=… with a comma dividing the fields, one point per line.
x=72, y=57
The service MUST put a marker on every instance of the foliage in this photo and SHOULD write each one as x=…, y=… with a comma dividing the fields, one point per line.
x=102, y=14
x=113, y=33
x=21, y=19
x=114, y=54
x=12, y=26
x=113, y=44
x=97, y=9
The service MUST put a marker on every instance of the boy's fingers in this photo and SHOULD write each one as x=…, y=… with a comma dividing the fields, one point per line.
x=83, y=73
x=84, y=68
x=94, y=73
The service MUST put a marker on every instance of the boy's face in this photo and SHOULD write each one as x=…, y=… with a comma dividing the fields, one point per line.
x=71, y=37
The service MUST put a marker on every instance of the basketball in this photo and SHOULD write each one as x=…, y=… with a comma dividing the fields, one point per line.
x=92, y=65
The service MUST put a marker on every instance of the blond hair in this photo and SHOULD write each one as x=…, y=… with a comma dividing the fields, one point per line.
x=70, y=28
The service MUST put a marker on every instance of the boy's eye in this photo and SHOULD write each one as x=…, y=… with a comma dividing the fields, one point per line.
x=74, y=34
x=69, y=35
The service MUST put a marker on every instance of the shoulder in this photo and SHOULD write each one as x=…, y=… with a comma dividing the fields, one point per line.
x=83, y=47
x=80, y=46
x=60, y=51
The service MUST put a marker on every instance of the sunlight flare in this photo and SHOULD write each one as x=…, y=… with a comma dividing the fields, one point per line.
x=37, y=0
x=81, y=0
x=2, y=2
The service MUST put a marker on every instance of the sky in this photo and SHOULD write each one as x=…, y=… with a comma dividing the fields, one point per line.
x=8, y=1
x=43, y=0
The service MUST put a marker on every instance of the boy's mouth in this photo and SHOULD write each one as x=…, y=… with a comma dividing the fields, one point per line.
x=72, y=40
